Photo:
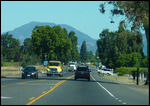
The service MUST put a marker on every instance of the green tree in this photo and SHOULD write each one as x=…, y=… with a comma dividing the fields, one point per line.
x=27, y=46
x=144, y=62
x=83, y=52
x=53, y=41
x=11, y=47
x=106, y=47
x=74, y=52
x=115, y=48
x=136, y=13
x=90, y=56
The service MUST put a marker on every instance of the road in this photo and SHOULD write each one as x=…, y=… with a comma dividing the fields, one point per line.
x=65, y=90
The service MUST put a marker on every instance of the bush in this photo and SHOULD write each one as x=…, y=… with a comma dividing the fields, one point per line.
x=30, y=60
x=128, y=70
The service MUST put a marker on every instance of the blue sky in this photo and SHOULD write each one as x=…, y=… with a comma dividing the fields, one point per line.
x=82, y=15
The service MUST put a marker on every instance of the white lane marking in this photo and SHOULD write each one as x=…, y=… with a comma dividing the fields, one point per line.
x=124, y=103
x=6, y=97
x=104, y=88
x=107, y=91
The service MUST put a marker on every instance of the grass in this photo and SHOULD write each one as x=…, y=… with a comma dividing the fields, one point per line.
x=9, y=68
x=122, y=79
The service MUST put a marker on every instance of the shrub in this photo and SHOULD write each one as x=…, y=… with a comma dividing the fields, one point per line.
x=128, y=70
x=30, y=60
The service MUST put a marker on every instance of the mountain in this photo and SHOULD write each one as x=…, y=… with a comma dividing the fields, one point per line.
x=25, y=31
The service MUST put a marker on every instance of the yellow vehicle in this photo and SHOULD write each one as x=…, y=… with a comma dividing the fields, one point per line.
x=54, y=68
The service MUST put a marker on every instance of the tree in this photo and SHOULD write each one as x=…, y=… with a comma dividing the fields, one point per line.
x=27, y=46
x=11, y=47
x=83, y=52
x=116, y=48
x=74, y=52
x=106, y=46
x=136, y=13
x=90, y=56
x=53, y=41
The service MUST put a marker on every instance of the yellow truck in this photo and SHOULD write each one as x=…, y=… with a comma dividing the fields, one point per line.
x=54, y=68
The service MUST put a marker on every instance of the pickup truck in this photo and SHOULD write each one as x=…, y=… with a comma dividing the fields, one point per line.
x=72, y=66
x=54, y=68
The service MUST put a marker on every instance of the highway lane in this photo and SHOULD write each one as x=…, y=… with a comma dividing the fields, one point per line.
x=65, y=90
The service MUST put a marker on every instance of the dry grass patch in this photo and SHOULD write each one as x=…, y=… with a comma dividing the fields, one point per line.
x=10, y=68
x=122, y=79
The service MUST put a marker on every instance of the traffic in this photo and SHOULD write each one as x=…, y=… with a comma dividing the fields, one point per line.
x=50, y=87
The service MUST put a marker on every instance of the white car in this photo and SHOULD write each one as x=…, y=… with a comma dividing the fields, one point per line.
x=105, y=71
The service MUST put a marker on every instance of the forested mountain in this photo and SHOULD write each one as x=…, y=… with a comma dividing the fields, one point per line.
x=25, y=31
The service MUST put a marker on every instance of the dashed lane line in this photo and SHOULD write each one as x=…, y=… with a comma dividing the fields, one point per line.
x=2, y=97
x=51, y=89
x=108, y=91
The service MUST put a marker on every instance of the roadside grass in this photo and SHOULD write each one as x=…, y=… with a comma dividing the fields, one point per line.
x=10, y=68
x=123, y=79
x=10, y=71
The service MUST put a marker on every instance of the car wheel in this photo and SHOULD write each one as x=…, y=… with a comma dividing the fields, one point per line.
x=36, y=76
x=75, y=78
x=61, y=74
x=23, y=77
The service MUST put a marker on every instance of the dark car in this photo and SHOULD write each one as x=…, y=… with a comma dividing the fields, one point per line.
x=30, y=71
x=82, y=72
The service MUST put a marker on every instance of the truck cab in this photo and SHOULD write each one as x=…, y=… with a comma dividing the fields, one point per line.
x=54, y=68
x=72, y=66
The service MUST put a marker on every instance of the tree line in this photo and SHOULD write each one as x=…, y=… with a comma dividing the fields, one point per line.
x=122, y=48
x=46, y=43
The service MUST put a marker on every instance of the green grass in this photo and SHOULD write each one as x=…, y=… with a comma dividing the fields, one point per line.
x=11, y=63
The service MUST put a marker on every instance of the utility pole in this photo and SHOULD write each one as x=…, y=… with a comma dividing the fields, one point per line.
x=137, y=76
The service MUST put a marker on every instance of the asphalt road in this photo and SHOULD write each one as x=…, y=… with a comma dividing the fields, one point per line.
x=65, y=90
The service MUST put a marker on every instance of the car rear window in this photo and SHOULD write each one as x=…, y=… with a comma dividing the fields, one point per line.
x=82, y=69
